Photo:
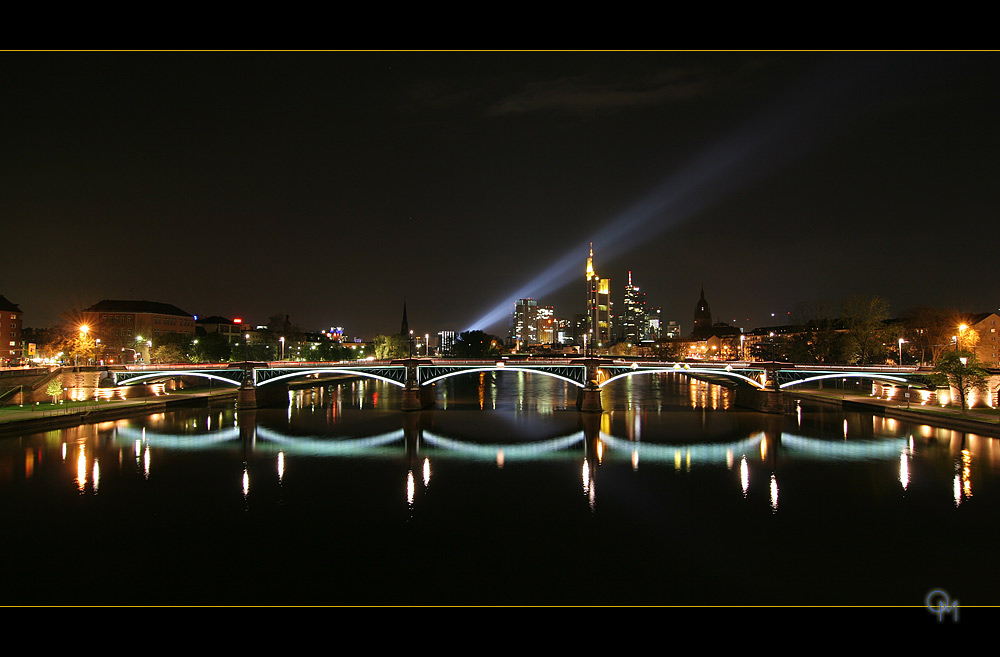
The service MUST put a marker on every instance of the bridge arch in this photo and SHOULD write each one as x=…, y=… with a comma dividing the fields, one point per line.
x=330, y=370
x=178, y=374
x=690, y=370
x=849, y=375
x=506, y=368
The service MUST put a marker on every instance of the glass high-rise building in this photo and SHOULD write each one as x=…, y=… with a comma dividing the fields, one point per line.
x=633, y=317
x=598, y=306
x=524, y=330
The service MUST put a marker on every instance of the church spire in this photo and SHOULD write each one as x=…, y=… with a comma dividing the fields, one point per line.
x=405, y=328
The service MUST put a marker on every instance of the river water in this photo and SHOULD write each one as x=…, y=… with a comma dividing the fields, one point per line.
x=504, y=494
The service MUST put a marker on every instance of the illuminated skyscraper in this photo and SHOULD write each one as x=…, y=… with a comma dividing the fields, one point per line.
x=446, y=341
x=598, y=306
x=525, y=322
x=633, y=319
x=548, y=325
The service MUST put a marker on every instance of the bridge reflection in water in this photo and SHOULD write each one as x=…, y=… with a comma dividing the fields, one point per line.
x=593, y=443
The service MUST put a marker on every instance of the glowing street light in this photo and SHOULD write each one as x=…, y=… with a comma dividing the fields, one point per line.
x=84, y=329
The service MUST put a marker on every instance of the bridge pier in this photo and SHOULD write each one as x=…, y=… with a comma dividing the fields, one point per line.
x=418, y=398
x=247, y=397
x=415, y=396
x=765, y=401
x=588, y=399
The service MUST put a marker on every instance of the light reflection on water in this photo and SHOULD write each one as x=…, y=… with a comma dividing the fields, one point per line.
x=495, y=475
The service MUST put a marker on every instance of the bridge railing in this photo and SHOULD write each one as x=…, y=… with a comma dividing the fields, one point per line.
x=327, y=363
x=512, y=361
x=180, y=366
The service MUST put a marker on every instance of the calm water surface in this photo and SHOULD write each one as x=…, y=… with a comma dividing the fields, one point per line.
x=503, y=494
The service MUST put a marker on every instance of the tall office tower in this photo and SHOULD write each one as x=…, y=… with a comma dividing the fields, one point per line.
x=525, y=322
x=446, y=341
x=547, y=324
x=652, y=325
x=598, y=306
x=565, y=331
x=633, y=317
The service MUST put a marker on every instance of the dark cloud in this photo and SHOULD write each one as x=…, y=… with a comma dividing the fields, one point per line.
x=580, y=95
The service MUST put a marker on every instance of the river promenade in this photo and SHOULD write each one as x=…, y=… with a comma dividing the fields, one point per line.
x=984, y=421
x=43, y=417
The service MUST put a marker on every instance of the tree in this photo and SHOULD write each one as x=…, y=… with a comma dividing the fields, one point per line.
x=391, y=346
x=963, y=371
x=822, y=337
x=966, y=338
x=54, y=389
x=669, y=349
x=82, y=346
x=624, y=349
x=864, y=318
x=477, y=344
x=929, y=331
x=172, y=348
x=213, y=348
x=168, y=353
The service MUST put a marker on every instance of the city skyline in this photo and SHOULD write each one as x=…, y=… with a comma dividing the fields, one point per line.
x=329, y=186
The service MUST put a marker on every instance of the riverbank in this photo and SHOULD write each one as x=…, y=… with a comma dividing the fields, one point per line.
x=983, y=421
x=44, y=417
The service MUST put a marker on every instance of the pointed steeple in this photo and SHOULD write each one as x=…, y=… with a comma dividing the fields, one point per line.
x=405, y=328
x=702, y=315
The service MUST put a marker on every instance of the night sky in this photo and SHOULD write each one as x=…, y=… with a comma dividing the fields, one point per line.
x=329, y=186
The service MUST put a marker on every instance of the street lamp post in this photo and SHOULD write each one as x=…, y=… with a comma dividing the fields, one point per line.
x=84, y=329
x=901, y=341
x=282, y=341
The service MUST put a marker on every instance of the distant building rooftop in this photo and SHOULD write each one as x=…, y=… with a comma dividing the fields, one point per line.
x=153, y=307
x=215, y=319
x=7, y=306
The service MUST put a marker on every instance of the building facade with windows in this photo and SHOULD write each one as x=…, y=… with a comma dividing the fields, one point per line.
x=987, y=348
x=633, y=317
x=122, y=324
x=598, y=307
x=524, y=329
x=11, y=353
